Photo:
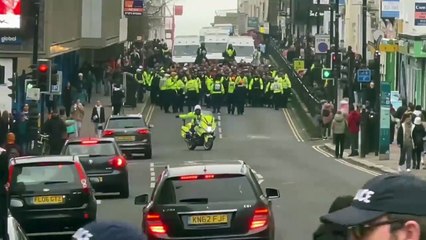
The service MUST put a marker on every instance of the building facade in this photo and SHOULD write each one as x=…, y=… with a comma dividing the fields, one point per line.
x=70, y=33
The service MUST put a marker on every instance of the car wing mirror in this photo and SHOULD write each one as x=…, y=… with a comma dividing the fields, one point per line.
x=151, y=125
x=141, y=199
x=272, y=193
x=100, y=127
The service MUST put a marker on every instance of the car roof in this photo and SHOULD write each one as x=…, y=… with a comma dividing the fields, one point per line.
x=208, y=167
x=126, y=116
x=38, y=159
x=77, y=140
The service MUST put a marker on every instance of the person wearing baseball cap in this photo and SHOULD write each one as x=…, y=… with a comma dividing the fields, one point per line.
x=388, y=207
x=108, y=231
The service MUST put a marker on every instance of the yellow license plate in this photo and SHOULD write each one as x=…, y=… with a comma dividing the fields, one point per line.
x=125, y=138
x=44, y=200
x=208, y=219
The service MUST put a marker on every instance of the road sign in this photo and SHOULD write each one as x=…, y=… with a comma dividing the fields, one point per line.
x=363, y=75
x=322, y=43
x=298, y=64
x=33, y=94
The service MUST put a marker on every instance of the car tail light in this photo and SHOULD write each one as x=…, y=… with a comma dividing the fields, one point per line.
x=155, y=225
x=83, y=178
x=260, y=218
x=89, y=142
x=195, y=177
x=118, y=162
x=106, y=133
x=143, y=131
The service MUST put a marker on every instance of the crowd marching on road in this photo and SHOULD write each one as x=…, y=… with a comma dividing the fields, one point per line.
x=386, y=207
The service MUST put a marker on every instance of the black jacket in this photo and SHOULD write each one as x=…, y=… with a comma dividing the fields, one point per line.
x=98, y=119
x=56, y=129
x=4, y=170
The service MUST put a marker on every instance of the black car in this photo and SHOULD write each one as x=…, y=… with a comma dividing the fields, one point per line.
x=50, y=194
x=208, y=201
x=131, y=133
x=103, y=162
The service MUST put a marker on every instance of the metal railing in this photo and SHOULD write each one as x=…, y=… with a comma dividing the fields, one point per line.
x=312, y=103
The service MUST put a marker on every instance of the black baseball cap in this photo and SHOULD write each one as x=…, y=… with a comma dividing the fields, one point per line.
x=108, y=231
x=389, y=193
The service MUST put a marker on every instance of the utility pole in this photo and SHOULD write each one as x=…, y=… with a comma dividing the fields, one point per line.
x=336, y=52
x=364, y=32
x=35, y=33
x=33, y=128
x=318, y=16
x=331, y=22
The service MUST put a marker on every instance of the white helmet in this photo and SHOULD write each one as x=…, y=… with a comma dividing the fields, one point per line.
x=197, y=107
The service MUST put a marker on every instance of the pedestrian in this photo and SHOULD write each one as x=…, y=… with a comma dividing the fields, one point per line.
x=57, y=130
x=330, y=231
x=4, y=128
x=4, y=199
x=82, y=94
x=405, y=141
x=98, y=117
x=339, y=126
x=13, y=150
x=327, y=117
x=418, y=135
x=23, y=129
x=354, y=121
x=77, y=113
x=117, y=99
x=108, y=231
x=90, y=81
x=389, y=206
x=67, y=99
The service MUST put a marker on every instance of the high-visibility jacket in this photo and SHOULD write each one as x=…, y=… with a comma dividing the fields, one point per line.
x=179, y=85
x=147, y=77
x=217, y=87
x=209, y=82
x=230, y=52
x=139, y=78
x=192, y=86
x=256, y=83
x=268, y=86
x=169, y=84
x=273, y=74
x=231, y=86
x=277, y=88
x=286, y=82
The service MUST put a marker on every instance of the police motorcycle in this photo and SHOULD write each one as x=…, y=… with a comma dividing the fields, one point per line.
x=200, y=134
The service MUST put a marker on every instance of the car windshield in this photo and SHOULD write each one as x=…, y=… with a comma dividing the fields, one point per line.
x=215, y=47
x=185, y=50
x=93, y=149
x=42, y=174
x=115, y=123
x=220, y=189
x=244, y=51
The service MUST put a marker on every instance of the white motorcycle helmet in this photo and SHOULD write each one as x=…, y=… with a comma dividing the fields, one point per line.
x=197, y=109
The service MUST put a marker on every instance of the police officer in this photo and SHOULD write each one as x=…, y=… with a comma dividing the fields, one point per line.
x=217, y=91
x=256, y=89
x=277, y=91
x=117, y=99
x=192, y=91
x=141, y=84
x=286, y=84
x=231, y=95
x=240, y=97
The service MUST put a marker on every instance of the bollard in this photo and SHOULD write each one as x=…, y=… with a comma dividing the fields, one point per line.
x=364, y=133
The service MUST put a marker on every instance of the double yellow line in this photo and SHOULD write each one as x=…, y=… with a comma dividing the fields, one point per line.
x=292, y=126
x=149, y=114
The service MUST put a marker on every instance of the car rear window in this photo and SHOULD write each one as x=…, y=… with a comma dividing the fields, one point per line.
x=114, y=123
x=219, y=189
x=43, y=174
x=91, y=149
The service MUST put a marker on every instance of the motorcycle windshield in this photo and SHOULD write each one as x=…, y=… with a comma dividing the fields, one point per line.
x=208, y=121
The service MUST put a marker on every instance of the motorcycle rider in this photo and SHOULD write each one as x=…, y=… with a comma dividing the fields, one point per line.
x=195, y=116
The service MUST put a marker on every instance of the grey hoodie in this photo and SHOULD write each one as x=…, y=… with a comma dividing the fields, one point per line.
x=339, y=124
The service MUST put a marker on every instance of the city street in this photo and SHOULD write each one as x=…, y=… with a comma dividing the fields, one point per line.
x=308, y=180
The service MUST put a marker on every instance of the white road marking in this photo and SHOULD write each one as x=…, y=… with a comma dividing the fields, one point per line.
x=292, y=126
x=323, y=152
x=149, y=114
x=360, y=168
x=152, y=170
x=219, y=125
x=258, y=137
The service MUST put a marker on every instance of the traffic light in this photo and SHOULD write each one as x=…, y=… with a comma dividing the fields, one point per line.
x=43, y=75
x=327, y=74
x=346, y=70
x=12, y=87
x=336, y=59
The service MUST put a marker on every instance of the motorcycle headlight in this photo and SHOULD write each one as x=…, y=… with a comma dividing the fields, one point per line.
x=209, y=129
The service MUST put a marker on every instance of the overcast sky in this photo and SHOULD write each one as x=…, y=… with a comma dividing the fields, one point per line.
x=198, y=14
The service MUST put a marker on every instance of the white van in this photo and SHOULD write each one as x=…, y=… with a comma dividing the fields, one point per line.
x=226, y=26
x=244, y=46
x=212, y=31
x=185, y=49
x=216, y=45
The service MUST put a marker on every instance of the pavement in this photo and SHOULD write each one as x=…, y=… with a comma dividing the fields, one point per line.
x=271, y=142
x=372, y=162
